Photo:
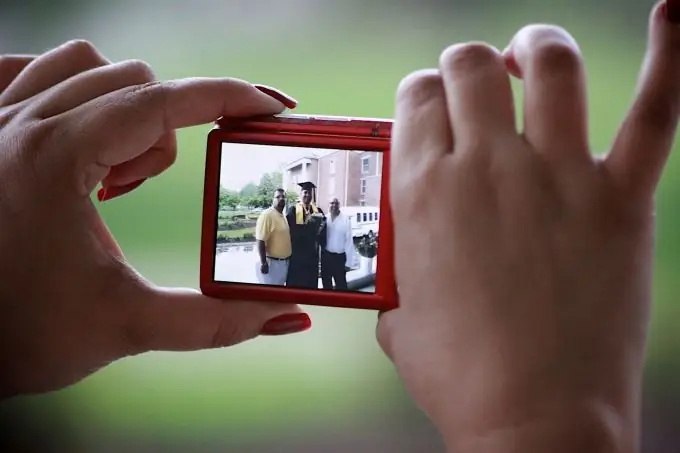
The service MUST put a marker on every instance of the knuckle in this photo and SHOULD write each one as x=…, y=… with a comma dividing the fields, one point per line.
x=152, y=91
x=139, y=70
x=38, y=138
x=228, y=333
x=147, y=96
x=420, y=86
x=150, y=97
x=169, y=157
x=472, y=56
x=83, y=48
x=38, y=135
x=164, y=159
x=7, y=114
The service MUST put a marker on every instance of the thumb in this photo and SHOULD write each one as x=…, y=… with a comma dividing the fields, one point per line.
x=645, y=138
x=172, y=319
x=384, y=331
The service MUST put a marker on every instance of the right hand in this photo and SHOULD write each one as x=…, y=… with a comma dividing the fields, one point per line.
x=524, y=264
x=264, y=268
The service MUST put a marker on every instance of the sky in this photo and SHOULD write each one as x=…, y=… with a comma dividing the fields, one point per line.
x=245, y=163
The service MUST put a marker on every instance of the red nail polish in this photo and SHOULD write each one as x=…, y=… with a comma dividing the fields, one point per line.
x=107, y=193
x=285, y=324
x=512, y=66
x=284, y=99
x=673, y=11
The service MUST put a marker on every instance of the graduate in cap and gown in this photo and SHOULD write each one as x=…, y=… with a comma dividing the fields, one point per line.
x=307, y=224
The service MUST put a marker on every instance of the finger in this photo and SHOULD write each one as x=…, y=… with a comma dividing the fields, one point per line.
x=421, y=128
x=479, y=95
x=185, y=320
x=642, y=145
x=555, y=108
x=384, y=331
x=51, y=68
x=120, y=126
x=152, y=163
x=90, y=85
x=11, y=66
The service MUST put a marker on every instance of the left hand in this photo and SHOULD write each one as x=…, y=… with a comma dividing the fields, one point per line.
x=525, y=295
x=69, y=302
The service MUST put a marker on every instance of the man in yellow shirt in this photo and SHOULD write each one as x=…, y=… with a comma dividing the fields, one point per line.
x=273, y=243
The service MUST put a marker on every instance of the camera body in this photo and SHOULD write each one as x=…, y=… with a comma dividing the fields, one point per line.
x=264, y=241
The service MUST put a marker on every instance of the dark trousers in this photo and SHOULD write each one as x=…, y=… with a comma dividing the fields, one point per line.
x=333, y=269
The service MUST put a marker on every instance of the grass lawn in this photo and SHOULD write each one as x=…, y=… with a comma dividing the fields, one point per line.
x=228, y=214
x=235, y=233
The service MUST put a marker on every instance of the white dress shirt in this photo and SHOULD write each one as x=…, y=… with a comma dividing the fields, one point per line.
x=339, y=236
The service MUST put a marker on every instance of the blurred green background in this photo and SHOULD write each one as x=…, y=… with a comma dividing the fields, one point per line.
x=329, y=389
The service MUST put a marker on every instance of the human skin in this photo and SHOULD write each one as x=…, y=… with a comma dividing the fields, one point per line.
x=530, y=332
x=70, y=304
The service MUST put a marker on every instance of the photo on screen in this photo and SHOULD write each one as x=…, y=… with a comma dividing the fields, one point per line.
x=297, y=217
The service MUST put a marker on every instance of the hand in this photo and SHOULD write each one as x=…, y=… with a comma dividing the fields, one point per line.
x=524, y=302
x=264, y=268
x=69, y=302
x=347, y=268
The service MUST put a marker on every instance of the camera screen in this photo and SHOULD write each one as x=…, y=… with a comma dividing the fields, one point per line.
x=303, y=218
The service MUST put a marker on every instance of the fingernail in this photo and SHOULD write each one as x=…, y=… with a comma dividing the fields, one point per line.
x=284, y=99
x=107, y=193
x=673, y=11
x=511, y=65
x=286, y=324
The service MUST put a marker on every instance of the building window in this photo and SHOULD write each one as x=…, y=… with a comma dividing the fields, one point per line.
x=363, y=187
x=376, y=216
x=331, y=167
x=365, y=165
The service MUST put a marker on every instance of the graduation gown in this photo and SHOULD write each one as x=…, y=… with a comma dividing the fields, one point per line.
x=306, y=239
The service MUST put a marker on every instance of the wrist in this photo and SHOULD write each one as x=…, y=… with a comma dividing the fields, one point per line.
x=591, y=427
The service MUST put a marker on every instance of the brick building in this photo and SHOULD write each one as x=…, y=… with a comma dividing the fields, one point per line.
x=353, y=177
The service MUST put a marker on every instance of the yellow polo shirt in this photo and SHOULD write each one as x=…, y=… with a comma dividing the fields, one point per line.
x=272, y=228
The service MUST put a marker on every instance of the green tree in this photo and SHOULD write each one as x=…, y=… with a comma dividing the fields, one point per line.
x=269, y=182
x=258, y=201
x=292, y=196
x=248, y=190
x=266, y=185
x=277, y=178
x=229, y=199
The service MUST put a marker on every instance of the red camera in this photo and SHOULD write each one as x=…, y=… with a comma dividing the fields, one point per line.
x=296, y=209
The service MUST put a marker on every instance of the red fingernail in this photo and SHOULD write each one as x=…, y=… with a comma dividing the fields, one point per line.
x=511, y=65
x=284, y=99
x=673, y=11
x=107, y=193
x=285, y=324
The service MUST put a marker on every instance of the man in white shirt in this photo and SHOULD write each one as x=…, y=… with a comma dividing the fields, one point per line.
x=338, y=252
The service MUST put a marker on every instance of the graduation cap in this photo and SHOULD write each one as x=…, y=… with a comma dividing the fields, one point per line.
x=308, y=185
